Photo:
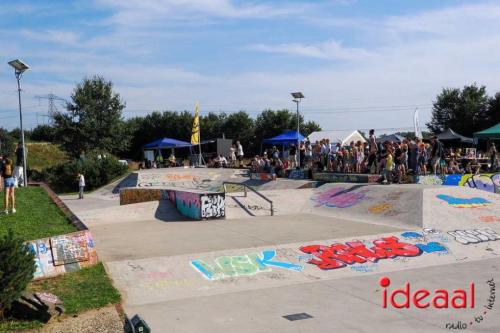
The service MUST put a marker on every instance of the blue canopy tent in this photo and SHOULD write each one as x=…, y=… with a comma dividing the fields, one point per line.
x=166, y=143
x=285, y=138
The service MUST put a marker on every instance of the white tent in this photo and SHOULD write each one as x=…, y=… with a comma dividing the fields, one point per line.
x=345, y=137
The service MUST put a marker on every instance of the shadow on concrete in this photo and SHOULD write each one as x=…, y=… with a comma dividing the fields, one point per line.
x=129, y=181
x=167, y=212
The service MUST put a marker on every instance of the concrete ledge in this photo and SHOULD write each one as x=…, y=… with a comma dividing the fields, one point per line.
x=62, y=254
x=193, y=204
x=299, y=174
x=261, y=176
x=331, y=177
x=489, y=182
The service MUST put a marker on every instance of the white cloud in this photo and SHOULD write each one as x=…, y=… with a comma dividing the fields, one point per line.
x=328, y=50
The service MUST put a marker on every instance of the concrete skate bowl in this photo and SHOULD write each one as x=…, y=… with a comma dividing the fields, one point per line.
x=395, y=205
x=406, y=205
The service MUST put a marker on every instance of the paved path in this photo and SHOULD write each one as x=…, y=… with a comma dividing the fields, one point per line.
x=245, y=273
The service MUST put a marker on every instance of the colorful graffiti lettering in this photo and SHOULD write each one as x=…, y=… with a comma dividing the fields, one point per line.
x=297, y=174
x=464, y=202
x=381, y=208
x=61, y=254
x=213, y=206
x=339, y=255
x=233, y=266
x=489, y=218
x=411, y=234
x=339, y=197
x=431, y=247
x=487, y=182
x=474, y=236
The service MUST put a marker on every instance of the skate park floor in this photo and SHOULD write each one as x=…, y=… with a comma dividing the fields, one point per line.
x=148, y=249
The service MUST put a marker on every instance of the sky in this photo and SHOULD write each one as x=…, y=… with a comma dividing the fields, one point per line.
x=360, y=63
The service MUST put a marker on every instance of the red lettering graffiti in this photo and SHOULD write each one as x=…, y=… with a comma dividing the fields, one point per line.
x=338, y=255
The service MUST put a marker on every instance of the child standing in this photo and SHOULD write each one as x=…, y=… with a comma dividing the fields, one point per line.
x=81, y=185
x=389, y=165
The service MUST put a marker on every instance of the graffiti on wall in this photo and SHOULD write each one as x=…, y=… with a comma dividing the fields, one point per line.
x=56, y=255
x=489, y=218
x=261, y=176
x=213, y=205
x=331, y=177
x=178, y=180
x=457, y=202
x=489, y=182
x=474, y=236
x=67, y=249
x=339, y=255
x=188, y=204
x=245, y=265
x=298, y=174
x=339, y=197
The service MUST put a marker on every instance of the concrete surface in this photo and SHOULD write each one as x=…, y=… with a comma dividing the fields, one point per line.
x=154, y=255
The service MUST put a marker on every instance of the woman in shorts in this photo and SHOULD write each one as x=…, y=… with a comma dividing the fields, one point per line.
x=9, y=183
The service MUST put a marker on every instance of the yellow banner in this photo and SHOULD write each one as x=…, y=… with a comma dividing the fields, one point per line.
x=195, y=133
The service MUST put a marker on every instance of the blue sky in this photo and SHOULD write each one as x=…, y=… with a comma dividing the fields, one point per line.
x=361, y=64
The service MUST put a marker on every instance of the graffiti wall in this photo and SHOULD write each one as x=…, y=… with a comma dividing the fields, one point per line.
x=298, y=174
x=338, y=196
x=261, y=176
x=191, y=204
x=213, y=205
x=489, y=182
x=62, y=254
x=330, y=177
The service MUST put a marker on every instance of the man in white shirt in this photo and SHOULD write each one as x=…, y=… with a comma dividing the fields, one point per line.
x=240, y=154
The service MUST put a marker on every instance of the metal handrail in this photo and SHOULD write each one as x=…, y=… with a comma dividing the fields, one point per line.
x=245, y=186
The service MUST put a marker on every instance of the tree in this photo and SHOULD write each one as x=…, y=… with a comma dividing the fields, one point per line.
x=45, y=133
x=240, y=126
x=17, y=266
x=7, y=142
x=493, y=111
x=465, y=111
x=94, y=119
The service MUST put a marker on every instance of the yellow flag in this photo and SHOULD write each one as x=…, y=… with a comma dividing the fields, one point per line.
x=195, y=133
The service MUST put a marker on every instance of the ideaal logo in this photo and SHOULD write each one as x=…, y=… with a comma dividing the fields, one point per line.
x=438, y=299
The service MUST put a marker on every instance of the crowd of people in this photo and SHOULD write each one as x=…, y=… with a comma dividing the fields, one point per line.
x=392, y=159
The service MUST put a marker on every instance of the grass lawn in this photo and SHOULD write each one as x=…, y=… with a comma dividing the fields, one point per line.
x=88, y=288
x=37, y=216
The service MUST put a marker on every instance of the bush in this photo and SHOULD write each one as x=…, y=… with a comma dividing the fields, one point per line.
x=17, y=266
x=97, y=171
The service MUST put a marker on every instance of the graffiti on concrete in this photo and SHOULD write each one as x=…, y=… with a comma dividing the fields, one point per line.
x=383, y=208
x=429, y=180
x=213, y=205
x=364, y=268
x=338, y=197
x=331, y=177
x=246, y=265
x=474, y=236
x=456, y=202
x=188, y=204
x=339, y=255
x=489, y=182
x=178, y=181
x=62, y=254
x=411, y=234
x=261, y=176
x=431, y=247
x=489, y=218
x=298, y=174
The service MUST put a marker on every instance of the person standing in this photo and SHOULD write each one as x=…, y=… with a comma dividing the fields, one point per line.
x=19, y=168
x=372, y=157
x=9, y=183
x=240, y=153
x=493, y=157
x=81, y=185
x=232, y=156
x=437, y=153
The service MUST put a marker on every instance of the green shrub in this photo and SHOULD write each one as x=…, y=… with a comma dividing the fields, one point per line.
x=97, y=171
x=17, y=266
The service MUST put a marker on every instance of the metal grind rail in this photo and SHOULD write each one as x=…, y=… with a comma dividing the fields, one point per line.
x=245, y=186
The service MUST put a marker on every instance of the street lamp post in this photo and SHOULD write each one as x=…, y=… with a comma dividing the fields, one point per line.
x=20, y=67
x=297, y=96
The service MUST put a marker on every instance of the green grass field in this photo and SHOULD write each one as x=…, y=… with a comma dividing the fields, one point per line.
x=42, y=155
x=37, y=216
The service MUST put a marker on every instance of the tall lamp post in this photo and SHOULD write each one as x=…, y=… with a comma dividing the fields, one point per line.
x=19, y=68
x=297, y=96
